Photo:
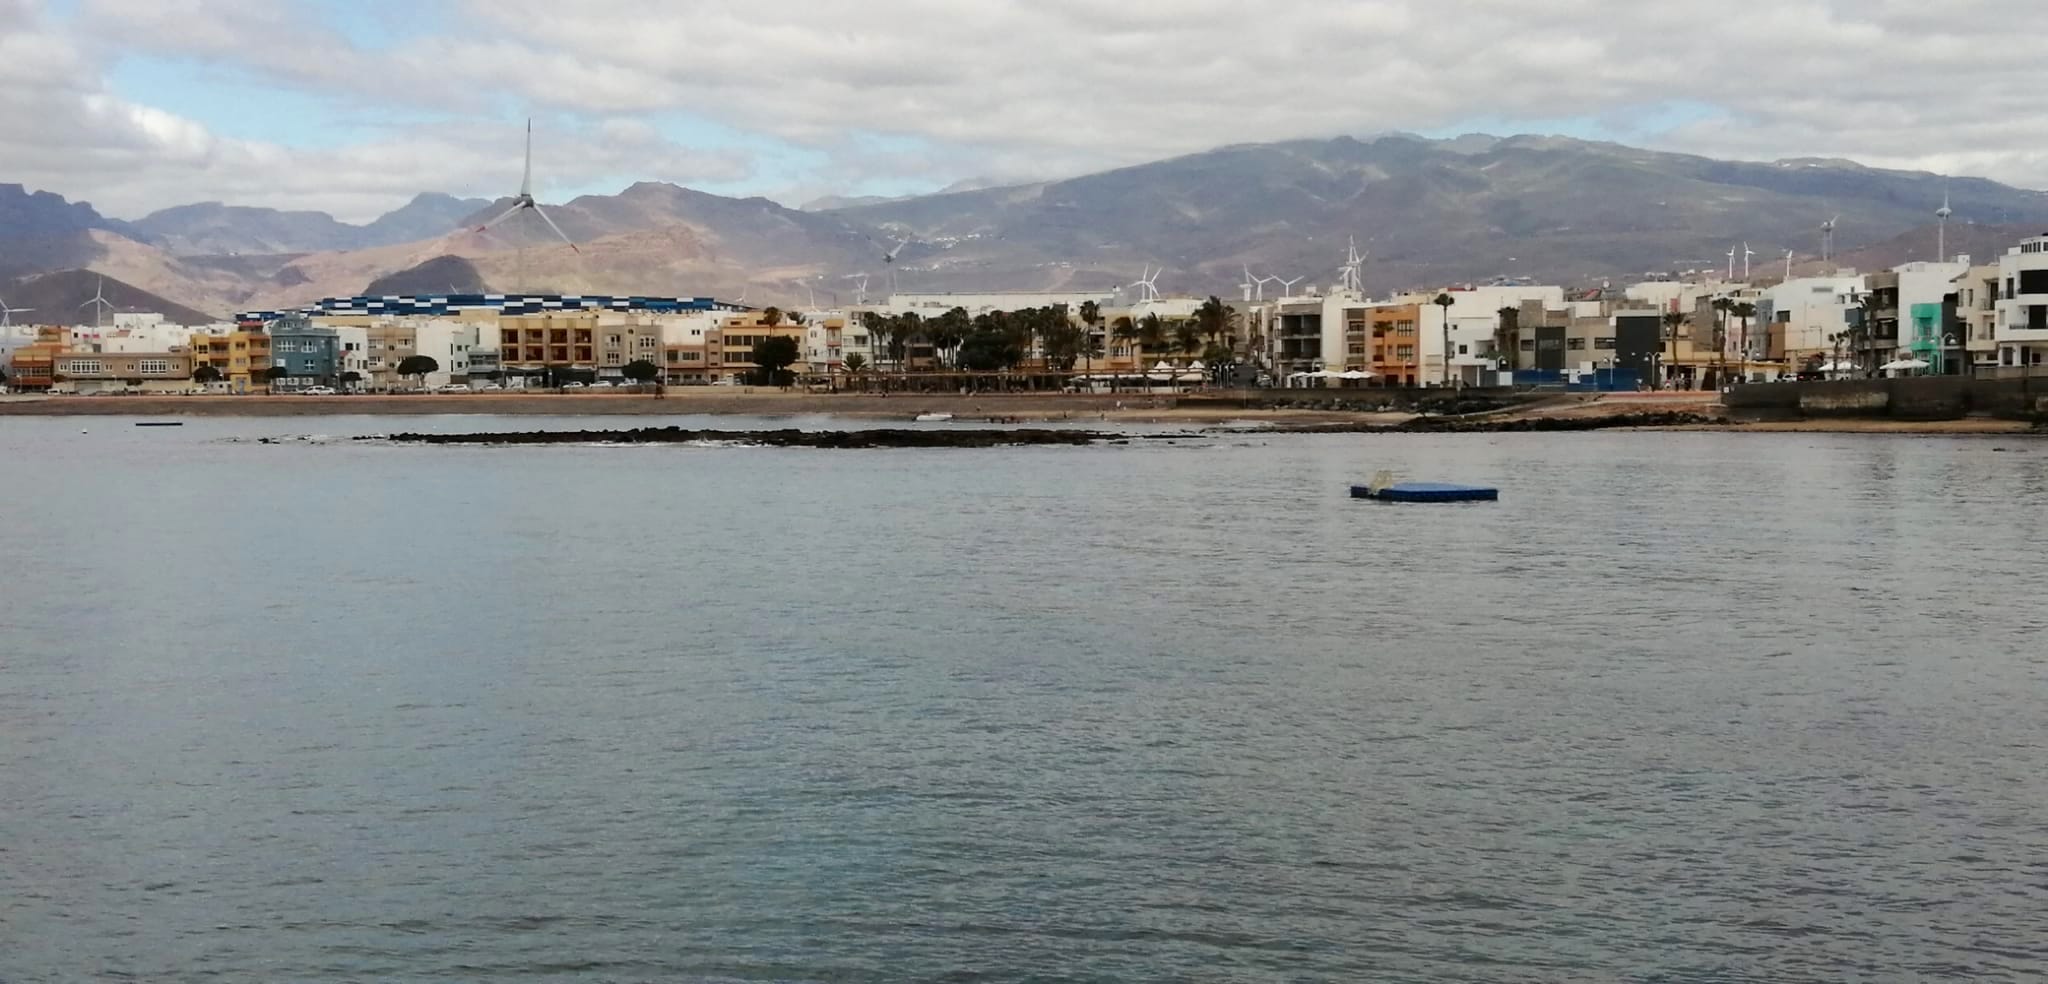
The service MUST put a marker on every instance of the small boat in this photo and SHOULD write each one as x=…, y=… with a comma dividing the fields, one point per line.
x=929, y=418
x=1385, y=489
x=159, y=423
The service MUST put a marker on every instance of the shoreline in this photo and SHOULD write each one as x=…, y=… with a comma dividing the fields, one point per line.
x=1627, y=413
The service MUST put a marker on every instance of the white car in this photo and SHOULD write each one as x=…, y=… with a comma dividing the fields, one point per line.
x=317, y=391
x=600, y=385
x=574, y=385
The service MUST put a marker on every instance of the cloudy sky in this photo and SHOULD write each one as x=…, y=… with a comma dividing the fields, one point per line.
x=351, y=106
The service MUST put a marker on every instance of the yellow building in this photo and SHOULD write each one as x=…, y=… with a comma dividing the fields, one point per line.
x=33, y=366
x=240, y=356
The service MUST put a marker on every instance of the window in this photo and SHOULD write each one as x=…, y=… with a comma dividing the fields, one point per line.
x=1464, y=349
x=612, y=358
x=152, y=366
x=645, y=343
x=84, y=367
x=310, y=365
x=1575, y=344
x=1528, y=345
x=1604, y=344
x=1404, y=352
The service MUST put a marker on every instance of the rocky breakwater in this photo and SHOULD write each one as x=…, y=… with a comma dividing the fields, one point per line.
x=787, y=438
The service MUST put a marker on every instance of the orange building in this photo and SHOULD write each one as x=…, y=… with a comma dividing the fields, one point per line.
x=1396, y=361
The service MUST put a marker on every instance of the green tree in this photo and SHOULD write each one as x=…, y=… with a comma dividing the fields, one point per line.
x=1151, y=334
x=1443, y=301
x=206, y=374
x=1091, y=347
x=419, y=367
x=1187, y=337
x=272, y=375
x=1744, y=310
x=772, y=358
x=1214, y=318
x=793, y=317
x=988, y=350
x=642, y=371
x=1721, y=305
x=855, y=362
x=771, y=316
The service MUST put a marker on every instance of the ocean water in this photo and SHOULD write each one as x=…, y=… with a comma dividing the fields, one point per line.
x=1681, y=707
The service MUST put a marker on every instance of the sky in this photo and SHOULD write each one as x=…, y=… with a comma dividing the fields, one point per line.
x=353, y=106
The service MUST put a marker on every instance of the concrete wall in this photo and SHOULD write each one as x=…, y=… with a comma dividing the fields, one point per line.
x=1912, y=398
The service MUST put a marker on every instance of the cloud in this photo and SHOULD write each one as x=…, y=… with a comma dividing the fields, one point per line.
x=956, y=88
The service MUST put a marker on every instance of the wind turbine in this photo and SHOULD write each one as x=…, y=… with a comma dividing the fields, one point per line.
x=7, y=313
x=1827, y=238
x=523, y=202
x=1788, y=266
x=1746, y=254
x=860, y=288
x=1731, y=265
x=1148, y=284
x=1247, y=285
x=99, y=298
x=890, y=260
x=1287, y=285
x=1352, y=273
x=1941, y=236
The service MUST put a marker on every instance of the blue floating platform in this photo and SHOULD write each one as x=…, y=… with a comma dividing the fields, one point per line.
x=1426, y=492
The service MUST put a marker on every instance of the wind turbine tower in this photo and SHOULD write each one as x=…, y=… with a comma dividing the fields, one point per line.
x=1827, y=239
x=1287, y=285
x=7, y=313
x=524, y=202
x=99, y=303
x=1746, y=254
x=1941, y=234
x=1788, y=266
x=1731, y=265
x=890, y=261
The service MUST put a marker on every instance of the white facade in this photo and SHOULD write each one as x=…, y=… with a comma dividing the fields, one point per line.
x=1473, y=317
x=447, y=342
x=2022, y=329
x=1809, y=311
x=355, y=354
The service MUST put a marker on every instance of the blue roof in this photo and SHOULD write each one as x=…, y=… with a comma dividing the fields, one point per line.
x=433, y=304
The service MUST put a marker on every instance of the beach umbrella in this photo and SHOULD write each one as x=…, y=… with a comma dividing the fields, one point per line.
x=1902, y=365
x=1355, y=374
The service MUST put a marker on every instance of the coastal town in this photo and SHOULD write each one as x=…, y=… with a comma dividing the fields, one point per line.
x=1960, y=316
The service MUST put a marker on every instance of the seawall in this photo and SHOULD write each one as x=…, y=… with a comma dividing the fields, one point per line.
x=1910, y=398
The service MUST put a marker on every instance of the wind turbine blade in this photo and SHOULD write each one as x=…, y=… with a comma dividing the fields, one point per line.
x=502, y=216
x=537, y=210
x=526, y=180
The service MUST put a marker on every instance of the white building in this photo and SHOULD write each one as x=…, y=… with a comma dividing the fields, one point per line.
x=355, y=350
x=1468, y=326
x=1807, y=312
x=2022, y=330
x=1922, y=286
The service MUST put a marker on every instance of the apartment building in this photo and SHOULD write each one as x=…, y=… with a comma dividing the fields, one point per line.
x=2021, y=332
x=240, y=356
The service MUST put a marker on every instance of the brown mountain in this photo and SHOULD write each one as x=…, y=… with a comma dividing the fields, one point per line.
x=64, y=296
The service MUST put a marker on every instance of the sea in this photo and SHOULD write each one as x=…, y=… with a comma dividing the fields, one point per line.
x=1679, y=707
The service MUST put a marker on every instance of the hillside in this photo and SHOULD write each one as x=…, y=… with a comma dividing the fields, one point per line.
x=1428, y=212
x=63, y=295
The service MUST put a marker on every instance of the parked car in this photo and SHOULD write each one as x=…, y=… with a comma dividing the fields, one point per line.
x=600, y=385
x=317, y=391
x=489, y=388
x=574, y=385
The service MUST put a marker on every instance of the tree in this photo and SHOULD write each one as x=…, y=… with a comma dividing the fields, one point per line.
x=641, y=371
x=988, y=349
x=771, y=316
x=272, y=375
x=1443, y=302
x=419, y=367
x=855, y=362
x=772, y=358
x=1673, y=322
x=1744, y=310
x=1214, y=318
x=1722, y=306
x=206, y=374
x=793, y=317
x=351, y=377
x=1187, y=337
x=1151, y=334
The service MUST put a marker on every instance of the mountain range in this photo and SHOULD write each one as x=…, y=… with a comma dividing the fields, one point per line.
x=1426, y=212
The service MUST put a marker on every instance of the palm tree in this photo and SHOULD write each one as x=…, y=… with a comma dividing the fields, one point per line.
x=1214, y=317
x=1673, y=321
x=1744, y=310
x=1444, y=302
x=771, y=316
x=1187, y=337
x=1721, y=307
x=1151, y=334
x=1091, y=315
x=1125, y=331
